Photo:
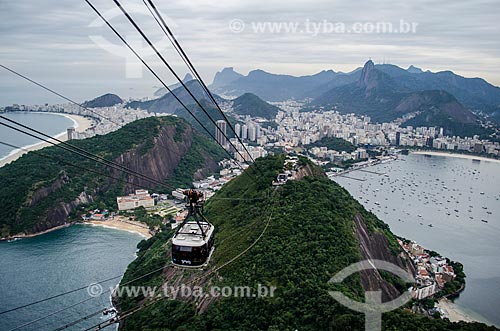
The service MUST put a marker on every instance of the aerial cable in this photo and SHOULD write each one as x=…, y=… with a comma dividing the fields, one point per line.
x=157, y=77
x=59, y=94
x=58, y=295
x=123, y=169
x=168, y=32
x=67, y=99
x=131, y=20
x=79, y=149
x=132, y=311
x=83, y=301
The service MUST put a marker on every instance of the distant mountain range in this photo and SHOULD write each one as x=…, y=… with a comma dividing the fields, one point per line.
x=246, y=104
x=169, y=104
x=381, y=96
x=384, y=92
x=267, y=86
x=473, y=93
x=106, y=100
x=162, y=90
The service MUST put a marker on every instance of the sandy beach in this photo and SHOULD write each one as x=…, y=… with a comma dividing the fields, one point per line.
x=80, y=124
x=121, y=223
x=453, y=312
x=461, y=156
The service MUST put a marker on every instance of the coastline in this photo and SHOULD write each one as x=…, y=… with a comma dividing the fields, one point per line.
x=31, y=235
x=118, y=223
x=456, y=155
x=80, y=123
x=455, y=313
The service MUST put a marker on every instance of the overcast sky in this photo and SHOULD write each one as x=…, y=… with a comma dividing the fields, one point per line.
x=61, y=44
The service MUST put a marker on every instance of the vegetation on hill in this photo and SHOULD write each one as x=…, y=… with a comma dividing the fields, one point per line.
x=309, y=239
x=252, y=105
x=337, y=144
x=41, y=186
x=106, y=100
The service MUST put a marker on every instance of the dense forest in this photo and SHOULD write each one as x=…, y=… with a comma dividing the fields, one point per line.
x=308, y=237
x=337, y=144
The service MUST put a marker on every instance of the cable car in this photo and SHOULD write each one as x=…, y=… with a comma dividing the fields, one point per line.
x=193, y=242
x=281, y=179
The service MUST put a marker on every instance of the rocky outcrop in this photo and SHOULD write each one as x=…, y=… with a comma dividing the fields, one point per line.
x=58, y=215
x=308, y=170
x=45, y=191
x=375, y=246
x=159, y=161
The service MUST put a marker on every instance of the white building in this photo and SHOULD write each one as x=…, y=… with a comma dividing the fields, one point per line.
x=244, y=131
x=237, y=129
x=423, y=292
x=141, y=198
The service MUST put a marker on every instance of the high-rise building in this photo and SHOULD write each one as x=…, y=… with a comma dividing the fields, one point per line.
x=258, y=133
x=252, y=132
x=398, y=138
x=220, y=132
x=237, y=129
x=71, y=133
x=244, y=131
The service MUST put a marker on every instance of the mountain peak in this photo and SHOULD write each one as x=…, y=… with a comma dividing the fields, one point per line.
x=414, y=70
x=225, y=76
x=257, y=72
x=367, y=77
x=369, y=64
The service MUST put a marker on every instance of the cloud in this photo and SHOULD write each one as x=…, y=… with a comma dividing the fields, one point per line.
x=50, y=40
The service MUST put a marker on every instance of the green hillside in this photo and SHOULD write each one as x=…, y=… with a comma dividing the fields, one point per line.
x=46, y=188
x=309, y=238
x=337, y=144
x=252, y=105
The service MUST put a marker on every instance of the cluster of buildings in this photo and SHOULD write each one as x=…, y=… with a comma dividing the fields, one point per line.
x=208, y=186
x=296, y=128
x=434, y=138
x=433, y=272
x=96, y=215
x=105, y=119
x=245, y=152
x=337, y=156
x=289, y=172
x=293, y=128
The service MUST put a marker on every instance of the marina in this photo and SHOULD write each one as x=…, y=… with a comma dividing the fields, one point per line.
x=450, y=205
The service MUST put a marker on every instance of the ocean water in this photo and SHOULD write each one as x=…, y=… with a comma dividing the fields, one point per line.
x=36, y=268
x=448, y=205
x=51, y=124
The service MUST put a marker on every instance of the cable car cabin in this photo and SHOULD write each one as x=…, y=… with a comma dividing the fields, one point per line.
x=281, y=179
x=192, y=245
